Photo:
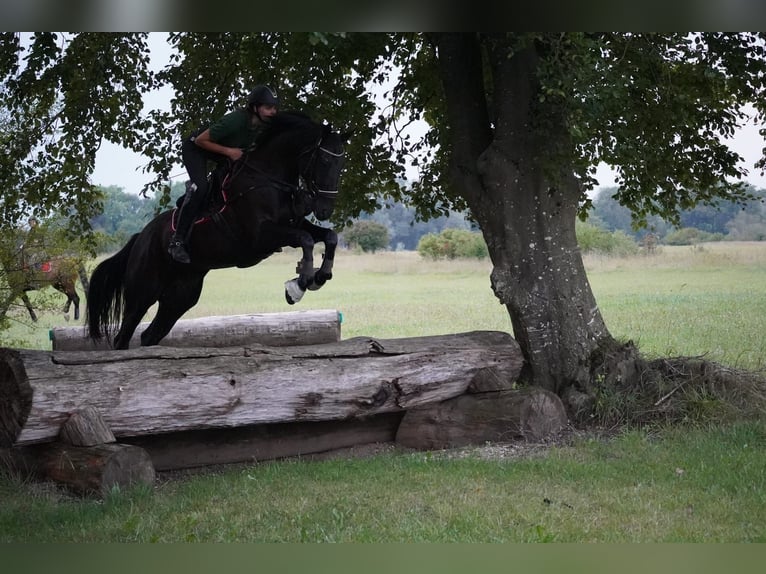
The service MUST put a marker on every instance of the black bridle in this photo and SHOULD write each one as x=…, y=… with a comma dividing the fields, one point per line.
x=307, y=175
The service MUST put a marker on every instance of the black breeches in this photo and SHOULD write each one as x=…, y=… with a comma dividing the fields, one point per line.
x=196, y=161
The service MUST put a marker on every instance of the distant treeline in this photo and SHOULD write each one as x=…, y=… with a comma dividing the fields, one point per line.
x=721, y=220
x=126, y=213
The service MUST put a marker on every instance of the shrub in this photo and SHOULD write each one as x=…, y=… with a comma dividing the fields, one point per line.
x=453, y=243
x=368, y=235
x=594, y=239
x=690, y=236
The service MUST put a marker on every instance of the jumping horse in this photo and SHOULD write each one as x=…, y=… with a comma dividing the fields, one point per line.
x=293, y=171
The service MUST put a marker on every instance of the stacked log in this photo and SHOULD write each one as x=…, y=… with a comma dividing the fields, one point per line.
x=86, y=458
x=152, y=390
x=312, y=327
x=196, y=406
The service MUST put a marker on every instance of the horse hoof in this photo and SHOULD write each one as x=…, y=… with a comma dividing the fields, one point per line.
x=293, y=292
x=319, y=279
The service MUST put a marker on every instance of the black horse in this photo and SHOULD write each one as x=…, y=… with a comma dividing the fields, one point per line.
x=294, y=171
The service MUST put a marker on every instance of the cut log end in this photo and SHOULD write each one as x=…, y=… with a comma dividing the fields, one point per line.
x=95, y=469
x=15, y=396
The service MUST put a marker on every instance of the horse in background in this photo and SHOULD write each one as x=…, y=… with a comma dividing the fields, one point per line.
x=293, y=171
x=61, y=273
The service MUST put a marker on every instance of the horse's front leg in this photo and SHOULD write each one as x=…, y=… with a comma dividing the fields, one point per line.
x=296, y=288
x=324, y=273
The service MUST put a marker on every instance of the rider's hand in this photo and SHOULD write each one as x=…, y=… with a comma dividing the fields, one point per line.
x=234, y=153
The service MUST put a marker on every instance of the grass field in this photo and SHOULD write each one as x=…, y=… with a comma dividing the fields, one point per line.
x=678, y=484
x=682, y=301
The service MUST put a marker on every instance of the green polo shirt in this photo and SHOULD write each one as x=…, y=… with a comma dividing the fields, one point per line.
x=235, y=130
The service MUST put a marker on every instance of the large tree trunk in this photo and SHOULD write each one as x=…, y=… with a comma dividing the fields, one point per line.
x=524, y=196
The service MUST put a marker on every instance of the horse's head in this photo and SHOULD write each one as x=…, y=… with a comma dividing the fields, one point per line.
x=321, y=166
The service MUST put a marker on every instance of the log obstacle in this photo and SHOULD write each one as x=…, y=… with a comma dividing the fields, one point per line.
x=312, y=327
x=196, y=406
x=152, y=390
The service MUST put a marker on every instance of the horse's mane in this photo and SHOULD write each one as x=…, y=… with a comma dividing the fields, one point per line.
x=287, y=121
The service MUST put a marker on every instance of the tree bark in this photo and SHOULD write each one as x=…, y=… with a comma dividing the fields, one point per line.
x=521, y=188
x=312, y=327
x=153, y=390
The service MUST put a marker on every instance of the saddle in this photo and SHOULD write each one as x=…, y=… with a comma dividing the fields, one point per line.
x=214, y=198
x=211, y=205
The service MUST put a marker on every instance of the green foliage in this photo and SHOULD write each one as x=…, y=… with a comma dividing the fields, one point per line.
x=368, y=235
x=594, y=239
x=63, y=95
x=452, y=244
x=690, y=236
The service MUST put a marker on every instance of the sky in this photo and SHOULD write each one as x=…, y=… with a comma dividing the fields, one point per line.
x=117, y=166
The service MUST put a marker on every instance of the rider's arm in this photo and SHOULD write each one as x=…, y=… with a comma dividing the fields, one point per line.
x=203, y=140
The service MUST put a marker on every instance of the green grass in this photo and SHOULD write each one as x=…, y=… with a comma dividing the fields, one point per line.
x=692, y=486
x=682, y=301
x=689, y=302
x=703, y=484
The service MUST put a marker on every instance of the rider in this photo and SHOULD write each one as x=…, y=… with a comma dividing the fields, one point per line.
x=222, y=142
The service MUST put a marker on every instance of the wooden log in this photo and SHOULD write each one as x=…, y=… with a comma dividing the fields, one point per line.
x=191, y=449
x=312, y=327
x=91, y=469
x=528, y=413
x=86, y=427
x=154, y=390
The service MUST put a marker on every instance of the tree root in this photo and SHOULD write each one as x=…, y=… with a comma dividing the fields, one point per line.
x=625, y=388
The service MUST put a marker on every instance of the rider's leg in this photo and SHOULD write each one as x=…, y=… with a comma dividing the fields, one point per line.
x=195, y=160
x=186, y=215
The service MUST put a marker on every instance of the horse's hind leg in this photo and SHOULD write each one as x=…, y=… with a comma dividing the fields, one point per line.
x=74, y=298
x=177, y=299
x=28, y=305
x=135, y=309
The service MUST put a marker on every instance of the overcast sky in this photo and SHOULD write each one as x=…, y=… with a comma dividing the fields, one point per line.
x=122, y=168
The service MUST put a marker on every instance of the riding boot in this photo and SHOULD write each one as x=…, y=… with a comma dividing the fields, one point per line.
x=177, y=247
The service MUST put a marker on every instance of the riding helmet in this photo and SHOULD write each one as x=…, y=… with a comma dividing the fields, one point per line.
x=263, y=95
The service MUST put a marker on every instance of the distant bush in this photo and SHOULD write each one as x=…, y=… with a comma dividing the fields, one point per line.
x=453, y=243
x=594, y=239
x=368, y=235
x=690, y=236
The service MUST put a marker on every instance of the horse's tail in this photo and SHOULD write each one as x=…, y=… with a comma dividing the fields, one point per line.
x=105, y=306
